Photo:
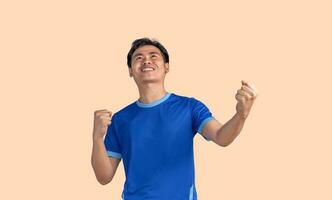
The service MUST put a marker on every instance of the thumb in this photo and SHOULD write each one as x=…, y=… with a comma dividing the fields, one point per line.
x=244, y=82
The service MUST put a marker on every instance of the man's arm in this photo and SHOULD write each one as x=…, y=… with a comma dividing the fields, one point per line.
x=103, y=165
x=224, y=135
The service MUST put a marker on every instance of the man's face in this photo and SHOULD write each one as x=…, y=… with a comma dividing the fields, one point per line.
x=148, y=65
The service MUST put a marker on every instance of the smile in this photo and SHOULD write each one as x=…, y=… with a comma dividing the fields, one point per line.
x=145, y=69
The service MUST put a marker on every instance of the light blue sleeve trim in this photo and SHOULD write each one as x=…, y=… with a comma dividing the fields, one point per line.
x=200, y=129
x=114, y=154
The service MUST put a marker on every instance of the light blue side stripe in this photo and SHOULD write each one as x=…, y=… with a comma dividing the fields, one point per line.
x=191, y=193
x=114, y=154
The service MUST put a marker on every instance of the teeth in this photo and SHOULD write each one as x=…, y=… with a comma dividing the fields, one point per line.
x=147, y=69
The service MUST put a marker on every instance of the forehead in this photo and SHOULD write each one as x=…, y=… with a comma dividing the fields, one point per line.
x=146, y=49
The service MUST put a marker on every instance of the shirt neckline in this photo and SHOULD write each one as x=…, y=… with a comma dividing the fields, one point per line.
x=152, y=104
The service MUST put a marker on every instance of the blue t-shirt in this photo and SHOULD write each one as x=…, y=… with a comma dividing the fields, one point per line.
x=155, y=141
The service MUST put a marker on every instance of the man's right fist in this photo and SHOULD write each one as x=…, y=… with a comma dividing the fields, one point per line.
x=102, y=120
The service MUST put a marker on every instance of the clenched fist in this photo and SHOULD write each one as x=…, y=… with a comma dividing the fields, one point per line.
x=102, y=118
x=245, y=98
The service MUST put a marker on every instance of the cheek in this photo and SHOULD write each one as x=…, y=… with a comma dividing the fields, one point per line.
x=135, y=66
x=159, y=63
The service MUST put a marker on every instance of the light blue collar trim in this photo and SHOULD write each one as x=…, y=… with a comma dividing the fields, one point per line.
x=148, y=105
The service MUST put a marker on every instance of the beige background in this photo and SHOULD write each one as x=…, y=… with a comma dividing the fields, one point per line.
x=61, y=60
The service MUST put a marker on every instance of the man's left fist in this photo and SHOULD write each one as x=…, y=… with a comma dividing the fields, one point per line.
x=245, y=98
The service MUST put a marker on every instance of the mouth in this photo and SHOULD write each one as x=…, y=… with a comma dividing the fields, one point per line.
x=147, y=69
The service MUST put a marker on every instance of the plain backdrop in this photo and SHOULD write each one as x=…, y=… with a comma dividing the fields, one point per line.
x=62, y=60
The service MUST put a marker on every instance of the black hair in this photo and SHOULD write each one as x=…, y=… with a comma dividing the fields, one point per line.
x=146, y=41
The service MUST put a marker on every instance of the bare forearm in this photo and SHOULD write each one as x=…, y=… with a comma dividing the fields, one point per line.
x=230, y=130
x=100, y=162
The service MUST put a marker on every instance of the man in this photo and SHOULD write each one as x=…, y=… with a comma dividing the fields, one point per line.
x=154, y=135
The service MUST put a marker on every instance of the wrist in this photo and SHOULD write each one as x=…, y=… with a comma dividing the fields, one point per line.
x=97, y=136
x=98, y=139
x=242, y=116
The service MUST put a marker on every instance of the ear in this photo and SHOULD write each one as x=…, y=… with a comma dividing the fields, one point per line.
x=166, y=67
x=130, y=72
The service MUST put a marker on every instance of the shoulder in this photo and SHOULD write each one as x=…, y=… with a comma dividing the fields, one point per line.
x=189, y=102
x=189, y=99
x=192, y=100
x=124, y=112
x=182, y=97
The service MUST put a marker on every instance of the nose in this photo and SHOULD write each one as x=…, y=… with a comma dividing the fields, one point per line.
x=147, y=62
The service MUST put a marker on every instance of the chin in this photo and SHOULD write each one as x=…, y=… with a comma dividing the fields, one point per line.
x=150, y=81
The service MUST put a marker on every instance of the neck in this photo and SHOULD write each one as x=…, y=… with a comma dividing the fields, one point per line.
x=151, y=92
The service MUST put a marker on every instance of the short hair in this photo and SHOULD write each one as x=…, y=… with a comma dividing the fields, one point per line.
x=146, y=41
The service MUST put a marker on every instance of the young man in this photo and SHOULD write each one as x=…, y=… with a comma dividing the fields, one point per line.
x=154, y=135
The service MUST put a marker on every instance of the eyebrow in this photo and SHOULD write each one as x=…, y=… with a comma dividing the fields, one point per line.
x=140, y=54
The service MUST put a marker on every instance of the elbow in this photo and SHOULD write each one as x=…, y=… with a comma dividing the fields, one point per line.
x=224, y=144
x=104, y=181
x=102, y=177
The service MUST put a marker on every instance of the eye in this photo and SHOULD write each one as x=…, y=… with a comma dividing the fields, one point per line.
x=138, y=57
x=154, y=56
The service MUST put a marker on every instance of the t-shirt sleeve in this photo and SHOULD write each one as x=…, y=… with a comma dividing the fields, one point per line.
x=200, y=115
x=111, y=141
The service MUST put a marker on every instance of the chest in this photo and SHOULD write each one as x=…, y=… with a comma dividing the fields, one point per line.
x=158, y=130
